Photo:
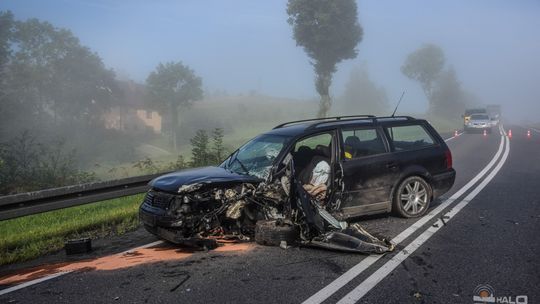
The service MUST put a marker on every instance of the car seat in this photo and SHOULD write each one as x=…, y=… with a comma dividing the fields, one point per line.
x=352, y=145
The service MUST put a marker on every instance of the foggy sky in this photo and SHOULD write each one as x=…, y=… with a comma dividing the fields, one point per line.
x=246, y=45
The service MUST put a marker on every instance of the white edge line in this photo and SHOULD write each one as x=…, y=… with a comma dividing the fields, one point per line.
x=364, y=287
x=33, y=282
x=142, y=247
x=61, y=273
x=449, y=139
x=356, y=270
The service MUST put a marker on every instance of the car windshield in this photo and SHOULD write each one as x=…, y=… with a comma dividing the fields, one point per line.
x=256, y=157
x=480, y=117
x=474, y=111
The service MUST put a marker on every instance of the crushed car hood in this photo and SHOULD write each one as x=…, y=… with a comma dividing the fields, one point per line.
x=207, y=175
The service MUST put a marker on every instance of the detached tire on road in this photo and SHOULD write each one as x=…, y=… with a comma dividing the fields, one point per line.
x=273, y=232
x=412, y=197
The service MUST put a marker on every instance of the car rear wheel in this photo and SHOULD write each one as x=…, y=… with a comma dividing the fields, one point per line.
x=412, y=197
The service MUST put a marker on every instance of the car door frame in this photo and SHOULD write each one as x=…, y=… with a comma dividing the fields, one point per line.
x=389, y=162
x=335, y=172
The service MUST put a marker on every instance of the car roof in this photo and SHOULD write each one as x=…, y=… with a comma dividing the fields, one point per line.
x=297, y=128
x=291, y=130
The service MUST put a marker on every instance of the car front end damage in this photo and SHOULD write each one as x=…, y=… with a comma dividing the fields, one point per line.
x=200, y=212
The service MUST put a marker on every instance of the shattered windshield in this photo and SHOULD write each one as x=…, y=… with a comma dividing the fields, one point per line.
x=256, y=157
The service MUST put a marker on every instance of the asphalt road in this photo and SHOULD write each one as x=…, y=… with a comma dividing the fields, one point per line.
x=485, y=231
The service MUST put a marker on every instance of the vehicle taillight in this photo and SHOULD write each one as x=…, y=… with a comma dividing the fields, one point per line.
x=448, y=157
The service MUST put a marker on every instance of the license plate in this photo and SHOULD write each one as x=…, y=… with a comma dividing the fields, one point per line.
x=148, y=219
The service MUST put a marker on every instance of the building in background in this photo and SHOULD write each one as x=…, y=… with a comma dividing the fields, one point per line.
x=133, y=115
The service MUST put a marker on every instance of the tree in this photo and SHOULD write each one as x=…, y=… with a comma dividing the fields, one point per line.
x=48, y=73
x=6, y=34
x=67, y=78
x=171, y=86
x=199, y=149
x=218, y=149
x=448, y=98
x=424, y=65
x=329, y=32
x=362, y=95
x=7, y=108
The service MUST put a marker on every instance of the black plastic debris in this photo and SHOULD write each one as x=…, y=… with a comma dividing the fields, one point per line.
x=78, y=246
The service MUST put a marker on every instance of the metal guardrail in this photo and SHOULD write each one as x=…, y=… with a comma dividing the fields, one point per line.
x=17, y=205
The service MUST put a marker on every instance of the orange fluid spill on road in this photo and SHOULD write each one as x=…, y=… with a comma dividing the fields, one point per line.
x=116, y=261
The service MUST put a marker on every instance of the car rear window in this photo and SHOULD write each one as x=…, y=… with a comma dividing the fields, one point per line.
x=361, y=142
x=409, y=137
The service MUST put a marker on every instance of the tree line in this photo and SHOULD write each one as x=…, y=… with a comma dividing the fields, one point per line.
x=53, y=94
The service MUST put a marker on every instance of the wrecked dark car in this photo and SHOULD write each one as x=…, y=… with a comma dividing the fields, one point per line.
x=303, y=181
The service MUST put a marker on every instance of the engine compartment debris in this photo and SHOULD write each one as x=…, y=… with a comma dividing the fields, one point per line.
x=279, y=211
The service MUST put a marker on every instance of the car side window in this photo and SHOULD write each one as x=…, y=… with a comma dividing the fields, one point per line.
x=409, y=137
x=361, y=142
x=312, y=142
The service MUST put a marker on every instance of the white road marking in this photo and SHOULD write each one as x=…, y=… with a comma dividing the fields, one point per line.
x=356, y=270
x=449, y=139
x=364, y=287
x=58, y=274
x=33, y=282
x=143, y=246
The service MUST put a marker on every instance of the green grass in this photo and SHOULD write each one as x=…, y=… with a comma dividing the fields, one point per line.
x=31, y=236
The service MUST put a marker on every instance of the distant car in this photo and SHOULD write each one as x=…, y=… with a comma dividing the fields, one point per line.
x=376, y=165
x=478, y=123
x=469, y=112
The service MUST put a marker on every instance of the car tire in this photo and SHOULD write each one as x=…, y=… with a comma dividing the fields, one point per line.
x=412, y=197
x=273, y=232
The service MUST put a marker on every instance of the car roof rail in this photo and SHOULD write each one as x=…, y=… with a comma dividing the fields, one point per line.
x=374, y=119
x=400, y=117
x=325, y=119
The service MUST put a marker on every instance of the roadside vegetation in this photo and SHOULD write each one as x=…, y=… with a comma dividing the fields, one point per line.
x=31, y=236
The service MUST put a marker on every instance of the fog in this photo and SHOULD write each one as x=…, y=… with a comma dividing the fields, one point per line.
x=247, y=59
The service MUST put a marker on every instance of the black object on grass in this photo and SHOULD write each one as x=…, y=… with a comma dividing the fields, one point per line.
x=78, y=246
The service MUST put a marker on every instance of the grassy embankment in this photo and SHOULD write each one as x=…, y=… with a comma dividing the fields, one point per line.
x=31, y=236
